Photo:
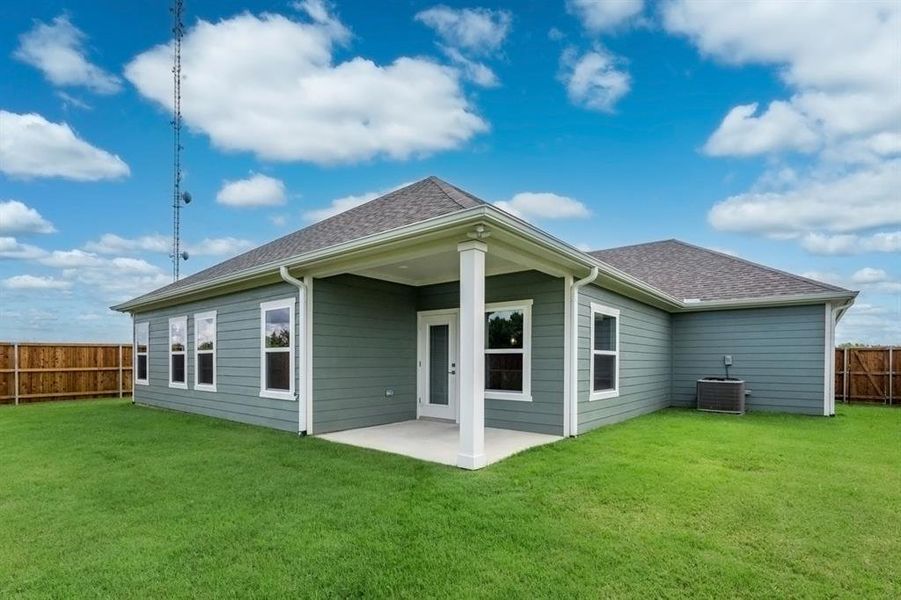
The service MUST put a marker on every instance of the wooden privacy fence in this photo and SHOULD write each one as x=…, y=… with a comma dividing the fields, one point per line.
x=870, y=375
x=36, y=371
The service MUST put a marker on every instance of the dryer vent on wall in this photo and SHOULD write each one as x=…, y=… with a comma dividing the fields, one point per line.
x=721, y=394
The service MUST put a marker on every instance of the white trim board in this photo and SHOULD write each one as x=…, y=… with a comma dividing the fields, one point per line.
x=290, y=304
x=182, y=385
x=600, y=309
x=206, y=387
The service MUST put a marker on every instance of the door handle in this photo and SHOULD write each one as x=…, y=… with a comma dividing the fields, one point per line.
x=452, y=372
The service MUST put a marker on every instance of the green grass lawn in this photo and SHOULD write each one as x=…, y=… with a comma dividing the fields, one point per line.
x=105, y=499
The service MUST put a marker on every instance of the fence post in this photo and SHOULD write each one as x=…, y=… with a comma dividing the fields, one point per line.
x=16, y=372
x=845, y=384
x=120, y=370
x=891, y=376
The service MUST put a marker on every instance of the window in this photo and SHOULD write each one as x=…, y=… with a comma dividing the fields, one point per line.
x=277, y=349
x=142, y=342
x=604, y=367
x=205, y=351
x=508, y=350
x=178, y=344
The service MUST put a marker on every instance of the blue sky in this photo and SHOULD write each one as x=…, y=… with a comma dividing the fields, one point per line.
x=769, y=131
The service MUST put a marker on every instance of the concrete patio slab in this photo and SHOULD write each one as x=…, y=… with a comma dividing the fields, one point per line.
x=436, y=441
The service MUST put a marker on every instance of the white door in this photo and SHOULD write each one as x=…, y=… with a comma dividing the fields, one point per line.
x=437, y=389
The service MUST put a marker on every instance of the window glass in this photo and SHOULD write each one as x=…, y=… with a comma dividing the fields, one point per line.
x=142, y=335
x=278, y=376
x=504, y=329
x=205, y=368
x=177, y=335
x=278, y=328
x=142, y=367
x=206, y=333
x=178, y=368
x=503, y=372
x=604, y=332
x=604, y=372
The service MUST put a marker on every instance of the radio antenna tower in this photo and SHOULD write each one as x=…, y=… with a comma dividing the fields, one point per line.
x=178, y=197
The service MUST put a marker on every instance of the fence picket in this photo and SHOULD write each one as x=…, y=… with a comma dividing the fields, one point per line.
x=36, y=371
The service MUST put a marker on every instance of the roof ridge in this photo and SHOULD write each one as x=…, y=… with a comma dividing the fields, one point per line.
x=447, y=188
x=759, y=265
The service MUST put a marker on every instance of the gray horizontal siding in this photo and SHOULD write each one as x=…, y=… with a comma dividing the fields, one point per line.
x=645, y=369
x=544, y=414
x=364, y=343
x=237, y=361
x=777, y=351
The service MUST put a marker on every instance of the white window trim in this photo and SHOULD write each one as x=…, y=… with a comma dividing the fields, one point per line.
x=205, y=387
x=526, y=394
x=288, y=303
x=603, y=394
x=177, y=384
x=135, y=353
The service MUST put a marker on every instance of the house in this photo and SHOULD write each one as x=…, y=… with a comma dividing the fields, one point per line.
x=432, y=323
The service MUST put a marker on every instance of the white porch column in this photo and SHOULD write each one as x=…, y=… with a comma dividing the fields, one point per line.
x=472, y=355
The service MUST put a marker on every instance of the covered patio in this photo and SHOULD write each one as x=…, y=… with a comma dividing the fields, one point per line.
x=437, y=441
x=473, y=401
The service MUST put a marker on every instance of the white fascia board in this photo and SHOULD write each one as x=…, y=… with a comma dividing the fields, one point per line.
x=486, y=214
x=766, y=301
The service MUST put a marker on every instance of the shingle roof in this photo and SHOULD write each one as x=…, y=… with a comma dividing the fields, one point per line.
x=689, y=272
x=428, y=198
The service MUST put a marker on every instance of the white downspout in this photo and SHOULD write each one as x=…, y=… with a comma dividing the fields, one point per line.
x=300, y=384
x=574, y=350
x=838, y=311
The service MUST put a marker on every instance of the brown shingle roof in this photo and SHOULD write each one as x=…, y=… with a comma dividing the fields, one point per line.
x=425, y=199
x=690, y=272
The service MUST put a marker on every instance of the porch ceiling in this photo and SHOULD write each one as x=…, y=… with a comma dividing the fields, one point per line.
x=439, y=267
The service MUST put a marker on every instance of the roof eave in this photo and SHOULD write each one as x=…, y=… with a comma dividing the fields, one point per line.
x=769, y=301
x=423, y=227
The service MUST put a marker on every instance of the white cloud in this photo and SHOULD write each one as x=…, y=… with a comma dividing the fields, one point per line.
x=339, y=205
x=32, y=282
x=841, y=60
x=278, y=220
x=256, y=190
x=119, y=278
x=869, y=275
x=543, y=205
x=287, y=100
x=476, y=30
x=848, y=244
x=594, y=80
x=743, y=133
x=10, y=248
x=863, y=199
x=58, y=51
x=227, y=246
x=110, y=243
x=16, y=217
x=32, y=146
x=603, y=15
x=474, y=71
x=68, y=259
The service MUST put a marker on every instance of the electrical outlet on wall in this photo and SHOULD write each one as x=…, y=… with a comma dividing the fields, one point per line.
x=389, y=393
x=727, y=360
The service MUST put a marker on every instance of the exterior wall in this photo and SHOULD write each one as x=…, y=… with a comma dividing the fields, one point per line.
x=364, y=343
x=544, y=414
x=238, y=361
x=777, y=351
x=645, y=360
